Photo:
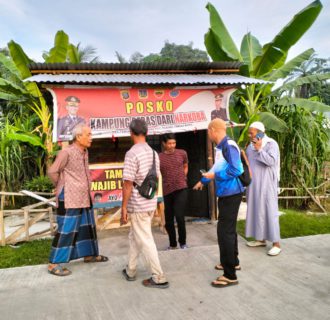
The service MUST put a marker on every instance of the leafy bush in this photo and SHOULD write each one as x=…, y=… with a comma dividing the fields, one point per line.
x=39, y=184
x=304, y=149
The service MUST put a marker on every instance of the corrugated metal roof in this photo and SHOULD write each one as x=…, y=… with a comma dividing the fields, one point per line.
x=145, y=79
x=159, y=66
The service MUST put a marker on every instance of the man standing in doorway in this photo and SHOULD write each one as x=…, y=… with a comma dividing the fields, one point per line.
x=229, y=190
x=262, y=220
x=76, y=234
x=138, y=162
x=174, y=169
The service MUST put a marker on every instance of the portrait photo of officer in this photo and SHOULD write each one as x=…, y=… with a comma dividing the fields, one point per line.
x=220, y=110
x=66, y=124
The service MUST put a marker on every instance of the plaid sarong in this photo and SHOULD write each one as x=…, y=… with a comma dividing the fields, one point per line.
x=76, y=235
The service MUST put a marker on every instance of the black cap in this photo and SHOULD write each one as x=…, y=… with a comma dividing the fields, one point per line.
x=72, y=99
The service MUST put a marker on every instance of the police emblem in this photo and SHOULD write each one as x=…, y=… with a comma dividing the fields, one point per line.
x=159, y=94
x=143, y=93
x=174, y=93
x=124, y=94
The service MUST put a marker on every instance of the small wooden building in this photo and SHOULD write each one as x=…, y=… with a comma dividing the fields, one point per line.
x=172, y=97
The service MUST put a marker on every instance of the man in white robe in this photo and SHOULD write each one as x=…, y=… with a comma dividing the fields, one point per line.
x=262, y=221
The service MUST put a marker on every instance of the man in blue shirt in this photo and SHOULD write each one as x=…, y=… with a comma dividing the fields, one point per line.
x=229, y=190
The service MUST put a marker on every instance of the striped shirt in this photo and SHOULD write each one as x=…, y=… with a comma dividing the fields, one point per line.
x=138, y=162
x=171, y=167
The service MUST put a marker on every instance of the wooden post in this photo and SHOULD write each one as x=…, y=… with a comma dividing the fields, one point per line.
x=2, y=222
x=310, y=193
x=212, y=197
x=26, y=222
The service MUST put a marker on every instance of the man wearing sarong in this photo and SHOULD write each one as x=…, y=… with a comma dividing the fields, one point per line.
x=262, y=221
x=76, y=233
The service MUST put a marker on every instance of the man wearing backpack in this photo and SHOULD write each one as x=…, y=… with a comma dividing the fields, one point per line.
x=226, y=171
x=139, y=161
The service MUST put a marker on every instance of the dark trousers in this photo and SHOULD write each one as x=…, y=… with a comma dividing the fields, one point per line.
x=227, y=236
x=175, y=205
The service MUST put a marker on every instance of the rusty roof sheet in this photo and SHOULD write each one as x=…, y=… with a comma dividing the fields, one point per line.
x=166, y=67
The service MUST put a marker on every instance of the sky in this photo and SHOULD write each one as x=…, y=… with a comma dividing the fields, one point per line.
x=128, y=26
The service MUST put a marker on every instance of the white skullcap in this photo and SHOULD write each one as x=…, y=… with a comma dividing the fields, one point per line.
x=258, y=125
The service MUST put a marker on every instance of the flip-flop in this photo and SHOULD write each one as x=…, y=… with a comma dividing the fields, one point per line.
x=95, y=259
x=62, y=271
x=222, y=282
x=219, y=267
x=150, y=283
x=128, y=278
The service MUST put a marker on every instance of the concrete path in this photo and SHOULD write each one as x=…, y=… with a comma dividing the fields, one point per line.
x=294, y=285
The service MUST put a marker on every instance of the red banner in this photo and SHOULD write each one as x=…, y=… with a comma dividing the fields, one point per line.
x=106, y=185
x=109, y=111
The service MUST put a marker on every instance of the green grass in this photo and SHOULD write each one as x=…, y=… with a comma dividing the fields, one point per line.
x=26, y=254
x=293, y=224
x=297, y=224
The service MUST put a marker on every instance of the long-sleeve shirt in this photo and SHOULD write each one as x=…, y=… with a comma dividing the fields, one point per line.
x=227, y=168
x=71, y=172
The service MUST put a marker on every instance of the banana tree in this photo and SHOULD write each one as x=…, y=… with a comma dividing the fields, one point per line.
x=34, y=99
x=267, y=62
x=15, y=68
x=64, y=51
x=11, y=160
x=26, y=94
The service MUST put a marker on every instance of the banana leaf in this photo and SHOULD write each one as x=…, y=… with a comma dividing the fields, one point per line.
x=250, y=49
x=243, y=139
x=59, y=52
x=20, y=59
x=274, y=51
x=26, y=137
x=304, y=103
x=219, y=40
x=73, y=54
x=212, y=47
x=303, y=80
x=11, y=97
x=271, y=122
x=285, y=70
x=11, y=88
x=8, y=69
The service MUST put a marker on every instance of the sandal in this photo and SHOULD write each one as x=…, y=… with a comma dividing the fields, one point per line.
x=220, y=267
x=128, y=278
x=99, y=258
x=150, y=283
x=222, y=282
x=59, y=271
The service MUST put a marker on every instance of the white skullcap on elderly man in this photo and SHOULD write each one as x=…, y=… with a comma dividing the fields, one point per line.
x=258, y=125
